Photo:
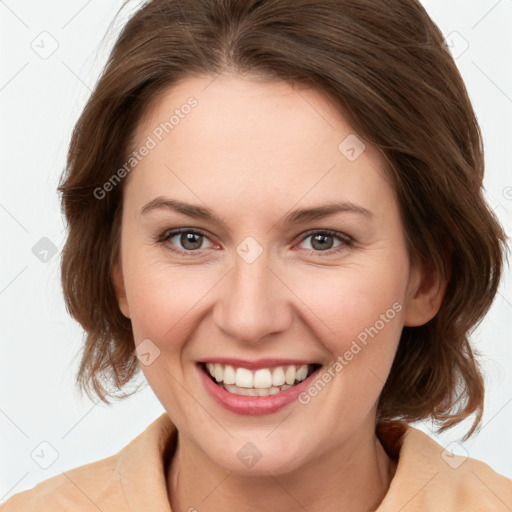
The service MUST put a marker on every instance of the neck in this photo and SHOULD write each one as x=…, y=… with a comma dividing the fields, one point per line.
x=352, y=477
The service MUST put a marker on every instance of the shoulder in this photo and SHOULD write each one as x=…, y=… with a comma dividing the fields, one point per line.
x=429, y=477
x=90, y=487
x=470, y=483
x=129, y=480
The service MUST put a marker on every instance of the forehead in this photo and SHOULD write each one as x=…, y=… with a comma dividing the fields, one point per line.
x=246, y=140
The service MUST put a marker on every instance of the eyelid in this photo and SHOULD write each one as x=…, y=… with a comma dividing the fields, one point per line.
x=336, y=234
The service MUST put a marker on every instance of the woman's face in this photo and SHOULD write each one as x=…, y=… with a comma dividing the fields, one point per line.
x=254, y=277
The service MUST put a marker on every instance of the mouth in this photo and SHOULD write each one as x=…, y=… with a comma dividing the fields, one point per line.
x=257, y=382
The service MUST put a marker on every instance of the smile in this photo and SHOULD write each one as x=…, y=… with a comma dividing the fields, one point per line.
x=260, y=382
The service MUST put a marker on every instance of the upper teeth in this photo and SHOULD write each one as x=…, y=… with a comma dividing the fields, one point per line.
x=262, y=378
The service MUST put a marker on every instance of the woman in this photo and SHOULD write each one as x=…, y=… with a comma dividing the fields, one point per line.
x=275, y=211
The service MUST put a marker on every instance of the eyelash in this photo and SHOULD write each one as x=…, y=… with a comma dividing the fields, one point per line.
x=345, y=240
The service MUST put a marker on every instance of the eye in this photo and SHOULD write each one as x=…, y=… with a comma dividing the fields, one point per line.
x=191, y=240
x=322, y=241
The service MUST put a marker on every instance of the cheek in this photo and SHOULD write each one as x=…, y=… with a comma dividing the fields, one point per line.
x=165, y=307
x=163, y=298
x=356, y=308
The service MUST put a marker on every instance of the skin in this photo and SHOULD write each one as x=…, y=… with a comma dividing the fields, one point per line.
x=251, y=151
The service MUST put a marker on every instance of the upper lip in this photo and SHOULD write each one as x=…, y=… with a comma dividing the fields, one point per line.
x=259, y=363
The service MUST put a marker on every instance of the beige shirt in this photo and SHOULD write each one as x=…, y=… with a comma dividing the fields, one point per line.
x=427, y=479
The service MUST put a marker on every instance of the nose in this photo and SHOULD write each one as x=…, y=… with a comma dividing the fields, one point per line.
x=253, y=301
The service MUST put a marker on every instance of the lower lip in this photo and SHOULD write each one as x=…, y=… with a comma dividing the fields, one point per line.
x=254, y=405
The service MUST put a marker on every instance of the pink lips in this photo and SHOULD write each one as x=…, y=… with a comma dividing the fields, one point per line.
x=253, y=405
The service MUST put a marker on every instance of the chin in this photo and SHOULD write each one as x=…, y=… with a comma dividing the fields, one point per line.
x=259, y=456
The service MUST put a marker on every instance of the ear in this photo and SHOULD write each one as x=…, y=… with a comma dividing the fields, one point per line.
x=118, y=282
x=425, y=295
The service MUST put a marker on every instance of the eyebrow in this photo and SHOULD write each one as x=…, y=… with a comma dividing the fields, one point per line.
x=294, y=217
x=196, y=212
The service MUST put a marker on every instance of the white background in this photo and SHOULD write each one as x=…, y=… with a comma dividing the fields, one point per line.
x=40, y=100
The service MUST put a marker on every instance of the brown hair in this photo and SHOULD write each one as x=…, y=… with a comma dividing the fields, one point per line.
x=385, y=65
